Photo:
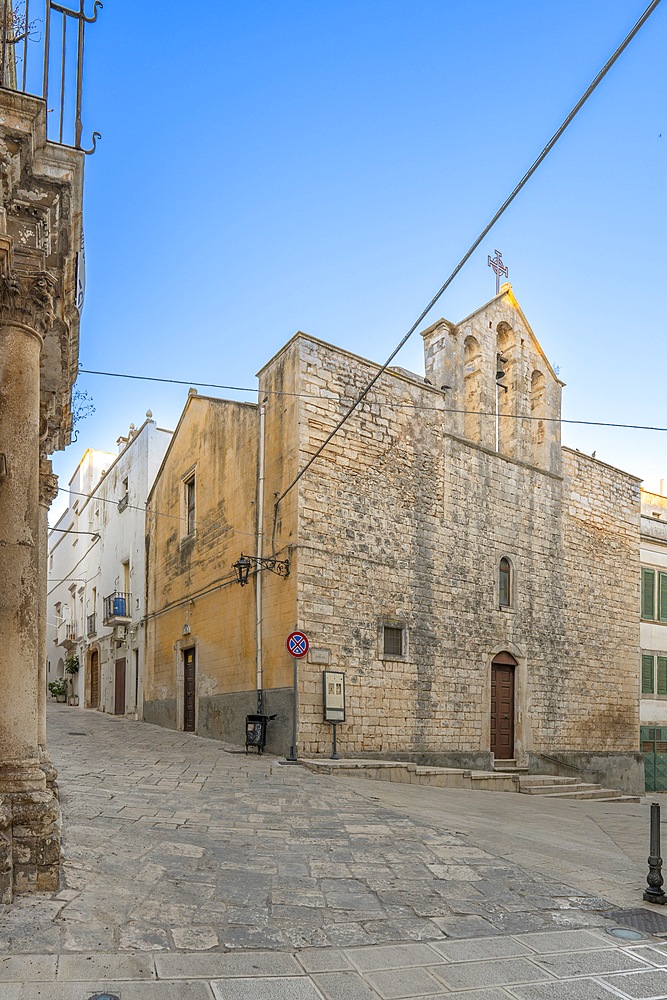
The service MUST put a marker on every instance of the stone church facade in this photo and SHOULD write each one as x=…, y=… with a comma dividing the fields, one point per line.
x=477, y=583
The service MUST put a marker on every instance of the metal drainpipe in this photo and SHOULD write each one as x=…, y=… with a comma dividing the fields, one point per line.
x=258, y=575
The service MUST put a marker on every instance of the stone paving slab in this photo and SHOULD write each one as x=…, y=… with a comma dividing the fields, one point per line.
x=217, y=966
x=551, y=943
x=497, y=972
x=573, y=989
x=640, y=984
x=260, y=989
x=124, y=990
x=98, y=966
x=400, y=956
x=397, y=983
x=481, y=949
x=589, y=963
x=28, y=968
x=344, y=986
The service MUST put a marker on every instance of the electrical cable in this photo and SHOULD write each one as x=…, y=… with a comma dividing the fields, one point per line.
x=131, y=506
x=508, y=201
x=377, y=402
x=70, y=531
x=178, y=381
x=75, y=566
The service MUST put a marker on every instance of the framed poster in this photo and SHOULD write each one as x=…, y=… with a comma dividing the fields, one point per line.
x=334, y=695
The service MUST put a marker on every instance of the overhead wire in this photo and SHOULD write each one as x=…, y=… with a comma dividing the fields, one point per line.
x=391, y=404
x=476, y=243
x=131, y=506
x=505, y=205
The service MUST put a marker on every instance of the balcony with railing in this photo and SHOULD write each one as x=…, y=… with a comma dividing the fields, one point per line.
x=117, y=609
x=91, y=625
x=66, y=634
x=41, y=53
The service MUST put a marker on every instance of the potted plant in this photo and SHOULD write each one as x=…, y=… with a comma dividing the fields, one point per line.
x=58, y=689
x=72, y=669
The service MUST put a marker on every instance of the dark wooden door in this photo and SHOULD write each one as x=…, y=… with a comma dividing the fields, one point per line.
x=95, y=680
x=119, y=698
x=189, y=692
x=502, y=708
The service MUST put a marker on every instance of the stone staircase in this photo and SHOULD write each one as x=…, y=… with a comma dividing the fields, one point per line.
x=568, y=788
x=560, y=788
x=505, y=777
x=415, y=774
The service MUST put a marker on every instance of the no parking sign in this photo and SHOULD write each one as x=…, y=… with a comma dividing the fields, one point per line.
x=297, y=644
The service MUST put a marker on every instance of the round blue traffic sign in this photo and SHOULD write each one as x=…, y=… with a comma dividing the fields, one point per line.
x=297, y=644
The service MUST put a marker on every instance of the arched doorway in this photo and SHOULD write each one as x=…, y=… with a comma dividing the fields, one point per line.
x=94, y=679
x=503, y=667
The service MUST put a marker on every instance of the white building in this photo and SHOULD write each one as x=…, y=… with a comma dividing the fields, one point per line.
x=96, y=573
x=653, y=639
x=653, y=629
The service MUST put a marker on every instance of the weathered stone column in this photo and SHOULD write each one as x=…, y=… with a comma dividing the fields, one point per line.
x=26, y=312
x=48, y=491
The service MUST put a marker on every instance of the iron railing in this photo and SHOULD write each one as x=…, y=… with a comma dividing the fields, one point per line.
x=35, y=36
x=117, y=608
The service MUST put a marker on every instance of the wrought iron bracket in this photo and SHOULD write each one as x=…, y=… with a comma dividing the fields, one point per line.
x=80, y=13
x=242, y=566
x=96, y=136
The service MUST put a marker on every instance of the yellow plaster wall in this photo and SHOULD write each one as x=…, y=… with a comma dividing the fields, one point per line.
x=190, y=579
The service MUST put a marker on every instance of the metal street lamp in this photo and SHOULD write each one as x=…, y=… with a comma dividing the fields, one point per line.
x=242, y=567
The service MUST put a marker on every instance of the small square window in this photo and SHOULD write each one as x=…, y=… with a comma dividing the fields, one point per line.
x=393, y=641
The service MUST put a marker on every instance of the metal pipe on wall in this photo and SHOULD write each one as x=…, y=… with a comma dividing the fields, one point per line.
x=258, y=575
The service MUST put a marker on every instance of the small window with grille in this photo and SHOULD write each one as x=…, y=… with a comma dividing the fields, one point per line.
x=392, y=641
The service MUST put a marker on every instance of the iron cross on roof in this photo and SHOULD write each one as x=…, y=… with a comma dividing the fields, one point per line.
x=497, y=264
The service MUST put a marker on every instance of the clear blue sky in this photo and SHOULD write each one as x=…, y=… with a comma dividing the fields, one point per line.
x=273, y=166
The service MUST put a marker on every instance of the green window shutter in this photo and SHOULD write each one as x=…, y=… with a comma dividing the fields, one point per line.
x=662, y=675
x=648, y=594
x=662, y=597
x=647, y=674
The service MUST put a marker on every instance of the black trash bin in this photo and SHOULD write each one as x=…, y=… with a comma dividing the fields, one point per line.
x=255, y=731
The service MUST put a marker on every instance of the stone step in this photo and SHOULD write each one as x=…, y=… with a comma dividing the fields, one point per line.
x=600, y=794
x=407, y=772
x=534, y=780
x=621, y=798
x=559, y=789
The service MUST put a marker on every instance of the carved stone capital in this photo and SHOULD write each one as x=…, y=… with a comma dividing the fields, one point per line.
x=48, y=483
x=28, y=299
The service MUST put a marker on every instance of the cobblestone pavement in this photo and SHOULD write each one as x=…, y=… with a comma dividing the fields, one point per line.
x=193, y=871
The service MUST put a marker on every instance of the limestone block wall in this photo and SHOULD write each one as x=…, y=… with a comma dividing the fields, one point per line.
x=403, y=523
x=599, y=677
